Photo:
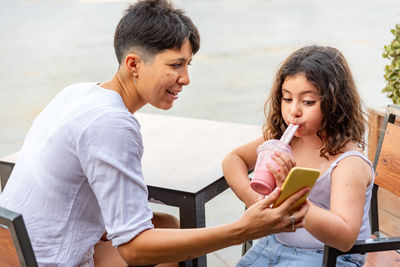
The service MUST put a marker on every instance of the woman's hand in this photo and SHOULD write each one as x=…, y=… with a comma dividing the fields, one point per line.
x=261, y=220
x=286, y=162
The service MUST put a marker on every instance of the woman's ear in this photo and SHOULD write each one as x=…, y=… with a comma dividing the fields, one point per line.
x=132, y=63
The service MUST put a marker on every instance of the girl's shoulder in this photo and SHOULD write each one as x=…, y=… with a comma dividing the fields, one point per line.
x=352, y=146
x=354, y=161
x=352, y=154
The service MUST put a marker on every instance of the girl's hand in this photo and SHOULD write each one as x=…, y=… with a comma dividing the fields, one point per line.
x=286, y=162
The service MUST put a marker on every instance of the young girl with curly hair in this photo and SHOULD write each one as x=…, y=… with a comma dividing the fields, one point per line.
x=313, y=88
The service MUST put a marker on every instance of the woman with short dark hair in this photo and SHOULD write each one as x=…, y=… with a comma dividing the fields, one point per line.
x=79, y=172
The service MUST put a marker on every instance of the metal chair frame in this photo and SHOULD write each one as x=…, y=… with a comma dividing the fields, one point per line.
x=5, y=172
x=15, y=224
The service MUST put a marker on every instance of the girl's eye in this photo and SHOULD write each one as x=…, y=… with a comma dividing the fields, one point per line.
x=309, y=102
x=286, y=99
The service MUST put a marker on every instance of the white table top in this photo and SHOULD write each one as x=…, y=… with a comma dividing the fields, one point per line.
x=10, y=158
x=186, y=154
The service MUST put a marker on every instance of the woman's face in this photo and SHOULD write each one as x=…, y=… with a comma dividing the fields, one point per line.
x=161, y=80
x=301, y=104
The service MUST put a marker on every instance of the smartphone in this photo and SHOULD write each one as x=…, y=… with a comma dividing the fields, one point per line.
x=297, y=178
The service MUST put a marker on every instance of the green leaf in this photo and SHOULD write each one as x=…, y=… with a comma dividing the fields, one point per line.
x=392, y=71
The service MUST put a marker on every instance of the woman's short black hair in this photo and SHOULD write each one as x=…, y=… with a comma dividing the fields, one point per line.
x=151, y=26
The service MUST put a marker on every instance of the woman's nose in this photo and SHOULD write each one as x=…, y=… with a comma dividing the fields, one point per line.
x=184, y=77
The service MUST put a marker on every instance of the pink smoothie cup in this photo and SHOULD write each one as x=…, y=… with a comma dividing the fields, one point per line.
x=263, y=181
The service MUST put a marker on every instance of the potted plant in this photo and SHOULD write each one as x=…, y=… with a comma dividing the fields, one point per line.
x=392, y=71
x=392, y=90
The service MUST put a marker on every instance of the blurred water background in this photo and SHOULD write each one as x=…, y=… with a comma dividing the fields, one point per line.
x=46, y=45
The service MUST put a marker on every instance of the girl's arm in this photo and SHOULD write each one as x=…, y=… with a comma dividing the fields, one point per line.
x=235, y=167
x=340, y=226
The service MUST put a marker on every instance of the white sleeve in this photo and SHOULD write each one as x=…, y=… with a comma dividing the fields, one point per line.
x=110, y=151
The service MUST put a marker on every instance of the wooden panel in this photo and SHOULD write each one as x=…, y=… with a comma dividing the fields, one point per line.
x=387, y=173
x=388, y=202
x=8, y=254
x=389, y=213
x=389, y=224
x=384, y=258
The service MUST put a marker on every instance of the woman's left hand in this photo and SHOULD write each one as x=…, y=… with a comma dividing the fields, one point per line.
x=286, y=162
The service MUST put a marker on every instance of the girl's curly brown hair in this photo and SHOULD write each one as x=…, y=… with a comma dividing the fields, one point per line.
x=327, y=69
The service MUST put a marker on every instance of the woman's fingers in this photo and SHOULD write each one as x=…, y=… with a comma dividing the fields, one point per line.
x=271, y=198
x=296, y=219
x=260, y=219
x=290, y=201
x=296, y=226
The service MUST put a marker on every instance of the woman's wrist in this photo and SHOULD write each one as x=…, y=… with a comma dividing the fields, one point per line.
x=238, y=232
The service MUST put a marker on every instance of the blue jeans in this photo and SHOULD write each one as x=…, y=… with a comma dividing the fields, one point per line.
x=269, y=252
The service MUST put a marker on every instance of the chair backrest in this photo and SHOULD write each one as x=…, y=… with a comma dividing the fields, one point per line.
x=6, y=166
x=15, y=246
x=387, y=162
x=5, y=171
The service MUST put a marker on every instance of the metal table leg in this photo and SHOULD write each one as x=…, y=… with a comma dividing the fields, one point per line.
x=190, y=219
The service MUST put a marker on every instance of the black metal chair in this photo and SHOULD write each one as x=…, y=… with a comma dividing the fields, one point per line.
x=387, y=176
x=5, y=171
x=15, y=245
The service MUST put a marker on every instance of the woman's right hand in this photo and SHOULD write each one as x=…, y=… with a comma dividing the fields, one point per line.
x=261, y=220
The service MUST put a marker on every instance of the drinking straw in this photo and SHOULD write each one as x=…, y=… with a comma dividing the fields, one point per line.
x=289, y=133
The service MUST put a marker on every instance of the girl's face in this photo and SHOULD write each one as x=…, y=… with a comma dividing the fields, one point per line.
x=301, y=104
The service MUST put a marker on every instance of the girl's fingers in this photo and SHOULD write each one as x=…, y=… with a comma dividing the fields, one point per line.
x=285, y=159
x=285, y=162
x=282, y=164
x=278, y=174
